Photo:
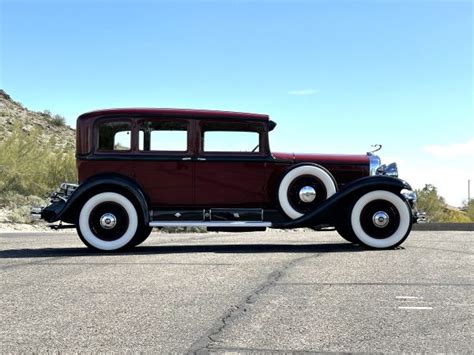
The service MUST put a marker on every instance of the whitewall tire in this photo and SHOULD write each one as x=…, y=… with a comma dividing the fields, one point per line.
x=381, y=219
x=108, y=221
x=303, y=188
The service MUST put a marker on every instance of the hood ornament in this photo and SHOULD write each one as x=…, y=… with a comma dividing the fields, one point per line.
x=377, y=148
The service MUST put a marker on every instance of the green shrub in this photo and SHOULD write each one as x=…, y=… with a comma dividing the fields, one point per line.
x=29, y=165
x=58, y=120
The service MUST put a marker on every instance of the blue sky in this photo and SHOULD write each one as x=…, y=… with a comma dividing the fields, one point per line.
x=337, y=76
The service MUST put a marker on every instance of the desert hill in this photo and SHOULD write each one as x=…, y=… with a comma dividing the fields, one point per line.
x=51, y=128
x=36, y=155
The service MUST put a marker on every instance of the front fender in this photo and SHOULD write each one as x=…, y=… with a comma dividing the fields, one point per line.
x=325, y=212
x=67, y=211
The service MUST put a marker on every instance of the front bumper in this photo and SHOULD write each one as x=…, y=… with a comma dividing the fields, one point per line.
x=420, y=217
x=411, y=197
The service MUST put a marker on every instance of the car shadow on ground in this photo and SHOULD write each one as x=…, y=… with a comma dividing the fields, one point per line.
x=186, y=249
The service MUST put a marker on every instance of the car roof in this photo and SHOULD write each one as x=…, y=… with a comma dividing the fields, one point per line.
x=174, y=112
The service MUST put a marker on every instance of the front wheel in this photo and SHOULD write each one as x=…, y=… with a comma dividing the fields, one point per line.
x=380, y=219
x=109, y=221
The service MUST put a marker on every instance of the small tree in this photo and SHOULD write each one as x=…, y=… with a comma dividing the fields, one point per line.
x=437, y=210
x=430, y=202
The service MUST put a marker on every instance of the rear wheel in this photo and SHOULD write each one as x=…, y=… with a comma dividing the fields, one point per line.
x=109, y=221
x=144, y=236
x=379, y=219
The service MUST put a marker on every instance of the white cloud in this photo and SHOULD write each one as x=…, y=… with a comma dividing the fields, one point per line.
x=452, y=150
x=449, y=176
x=304, y=92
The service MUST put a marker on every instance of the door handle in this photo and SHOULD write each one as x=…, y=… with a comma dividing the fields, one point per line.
x=201, y=159
x=186, y=158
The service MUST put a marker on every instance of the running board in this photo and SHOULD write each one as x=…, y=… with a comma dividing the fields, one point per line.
x=232, y=224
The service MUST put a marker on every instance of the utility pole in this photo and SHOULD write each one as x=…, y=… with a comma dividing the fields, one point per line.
x=468, y=190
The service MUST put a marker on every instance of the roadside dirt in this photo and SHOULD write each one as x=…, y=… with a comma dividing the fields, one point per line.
x=23, y=227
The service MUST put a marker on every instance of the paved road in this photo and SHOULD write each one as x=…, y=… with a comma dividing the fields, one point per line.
x=280, y=291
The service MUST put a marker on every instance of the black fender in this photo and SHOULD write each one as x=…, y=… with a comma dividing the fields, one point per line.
x=67, y=211
x=325, y=212
x=294, y=166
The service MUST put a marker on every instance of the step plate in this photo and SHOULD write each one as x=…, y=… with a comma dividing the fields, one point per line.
x=233, y=224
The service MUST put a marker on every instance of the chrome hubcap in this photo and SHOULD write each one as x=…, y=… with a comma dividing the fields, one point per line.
x=380, y=219
x=307, y=194
x=108, y=221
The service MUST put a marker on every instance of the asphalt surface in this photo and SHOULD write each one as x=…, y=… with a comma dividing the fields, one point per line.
x=222, y=292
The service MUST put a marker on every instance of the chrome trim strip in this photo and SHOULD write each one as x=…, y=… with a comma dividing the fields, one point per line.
x=236, y=224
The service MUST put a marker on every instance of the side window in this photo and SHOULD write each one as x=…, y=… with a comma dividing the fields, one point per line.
x=230, y=137
x=114, y=136
x=170, y=136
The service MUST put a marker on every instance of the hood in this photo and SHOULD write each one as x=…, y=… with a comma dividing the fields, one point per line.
x=322, y=159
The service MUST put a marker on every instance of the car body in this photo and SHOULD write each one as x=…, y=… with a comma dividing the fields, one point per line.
x=144, y=168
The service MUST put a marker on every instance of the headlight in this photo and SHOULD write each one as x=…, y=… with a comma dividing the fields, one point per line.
x=409, y=195
x=376, y=169
x=388, y=170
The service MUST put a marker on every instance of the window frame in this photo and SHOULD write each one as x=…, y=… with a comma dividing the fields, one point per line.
x=106, y=120
x=188, y=124
x=260, y=129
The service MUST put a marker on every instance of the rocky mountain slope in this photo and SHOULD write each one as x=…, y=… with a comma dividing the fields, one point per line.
x=52, y=128
x=36, y=155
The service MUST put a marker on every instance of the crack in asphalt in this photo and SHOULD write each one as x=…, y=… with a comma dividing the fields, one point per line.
x=417, y=284
x=265, y=351
x=203, y=344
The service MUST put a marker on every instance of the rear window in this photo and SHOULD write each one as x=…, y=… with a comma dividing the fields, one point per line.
x=114, y=136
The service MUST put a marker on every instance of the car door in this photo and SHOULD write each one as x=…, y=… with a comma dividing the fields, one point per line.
x=230, y=163
x=163, y=165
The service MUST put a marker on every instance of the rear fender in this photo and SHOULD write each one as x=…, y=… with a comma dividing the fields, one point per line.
x=326, y=212
x=69, y=210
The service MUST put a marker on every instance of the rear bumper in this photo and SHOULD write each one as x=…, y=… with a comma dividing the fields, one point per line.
x=59, y=200
x=49, y=213
x=35, y=213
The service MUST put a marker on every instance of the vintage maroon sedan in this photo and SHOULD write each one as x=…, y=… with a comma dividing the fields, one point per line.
x=145, y=168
